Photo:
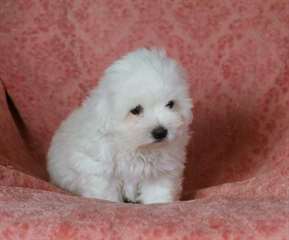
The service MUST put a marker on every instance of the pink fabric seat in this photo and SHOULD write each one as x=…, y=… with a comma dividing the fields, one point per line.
x=236, y=54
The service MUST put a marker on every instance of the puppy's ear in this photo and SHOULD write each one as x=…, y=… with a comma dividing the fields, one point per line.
x=99, y=106
x=187, y=107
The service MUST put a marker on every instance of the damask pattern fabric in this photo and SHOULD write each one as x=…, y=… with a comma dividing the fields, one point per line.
x=236, y=54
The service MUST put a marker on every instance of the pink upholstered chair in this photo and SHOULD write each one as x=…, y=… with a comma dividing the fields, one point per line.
x=236, y=54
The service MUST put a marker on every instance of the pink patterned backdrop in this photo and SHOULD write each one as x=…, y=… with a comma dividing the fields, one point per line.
x=236, y=54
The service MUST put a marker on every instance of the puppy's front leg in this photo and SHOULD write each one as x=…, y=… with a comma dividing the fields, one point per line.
x=101, y=187
x=162, y=190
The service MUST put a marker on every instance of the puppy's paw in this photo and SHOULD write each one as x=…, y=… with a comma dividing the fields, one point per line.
x=163, y=191
x=157, y=198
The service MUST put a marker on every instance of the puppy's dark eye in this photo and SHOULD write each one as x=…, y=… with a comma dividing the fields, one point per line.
x=137, y=110
x=170, y=104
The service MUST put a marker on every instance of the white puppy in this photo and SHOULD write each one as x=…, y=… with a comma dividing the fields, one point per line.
x=127, y=141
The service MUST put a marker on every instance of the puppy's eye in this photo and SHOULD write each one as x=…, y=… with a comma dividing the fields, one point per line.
x=170, y=104
x=137, y=110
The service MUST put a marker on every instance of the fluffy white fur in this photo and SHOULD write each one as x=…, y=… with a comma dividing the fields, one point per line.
x=104, y=151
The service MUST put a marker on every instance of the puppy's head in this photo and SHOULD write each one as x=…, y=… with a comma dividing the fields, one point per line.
x=146, y=98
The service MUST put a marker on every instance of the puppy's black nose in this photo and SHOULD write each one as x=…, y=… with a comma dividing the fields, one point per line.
x=159, y=133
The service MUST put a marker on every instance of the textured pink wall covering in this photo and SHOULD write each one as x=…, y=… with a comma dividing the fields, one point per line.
x=236, y=54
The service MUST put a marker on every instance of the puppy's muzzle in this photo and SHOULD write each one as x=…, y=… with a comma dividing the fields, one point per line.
x=159, y=133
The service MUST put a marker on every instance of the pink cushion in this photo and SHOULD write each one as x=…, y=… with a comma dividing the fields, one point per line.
x=237, y=57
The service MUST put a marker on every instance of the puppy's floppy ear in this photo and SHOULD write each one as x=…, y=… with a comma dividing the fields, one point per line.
x=99, y=106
